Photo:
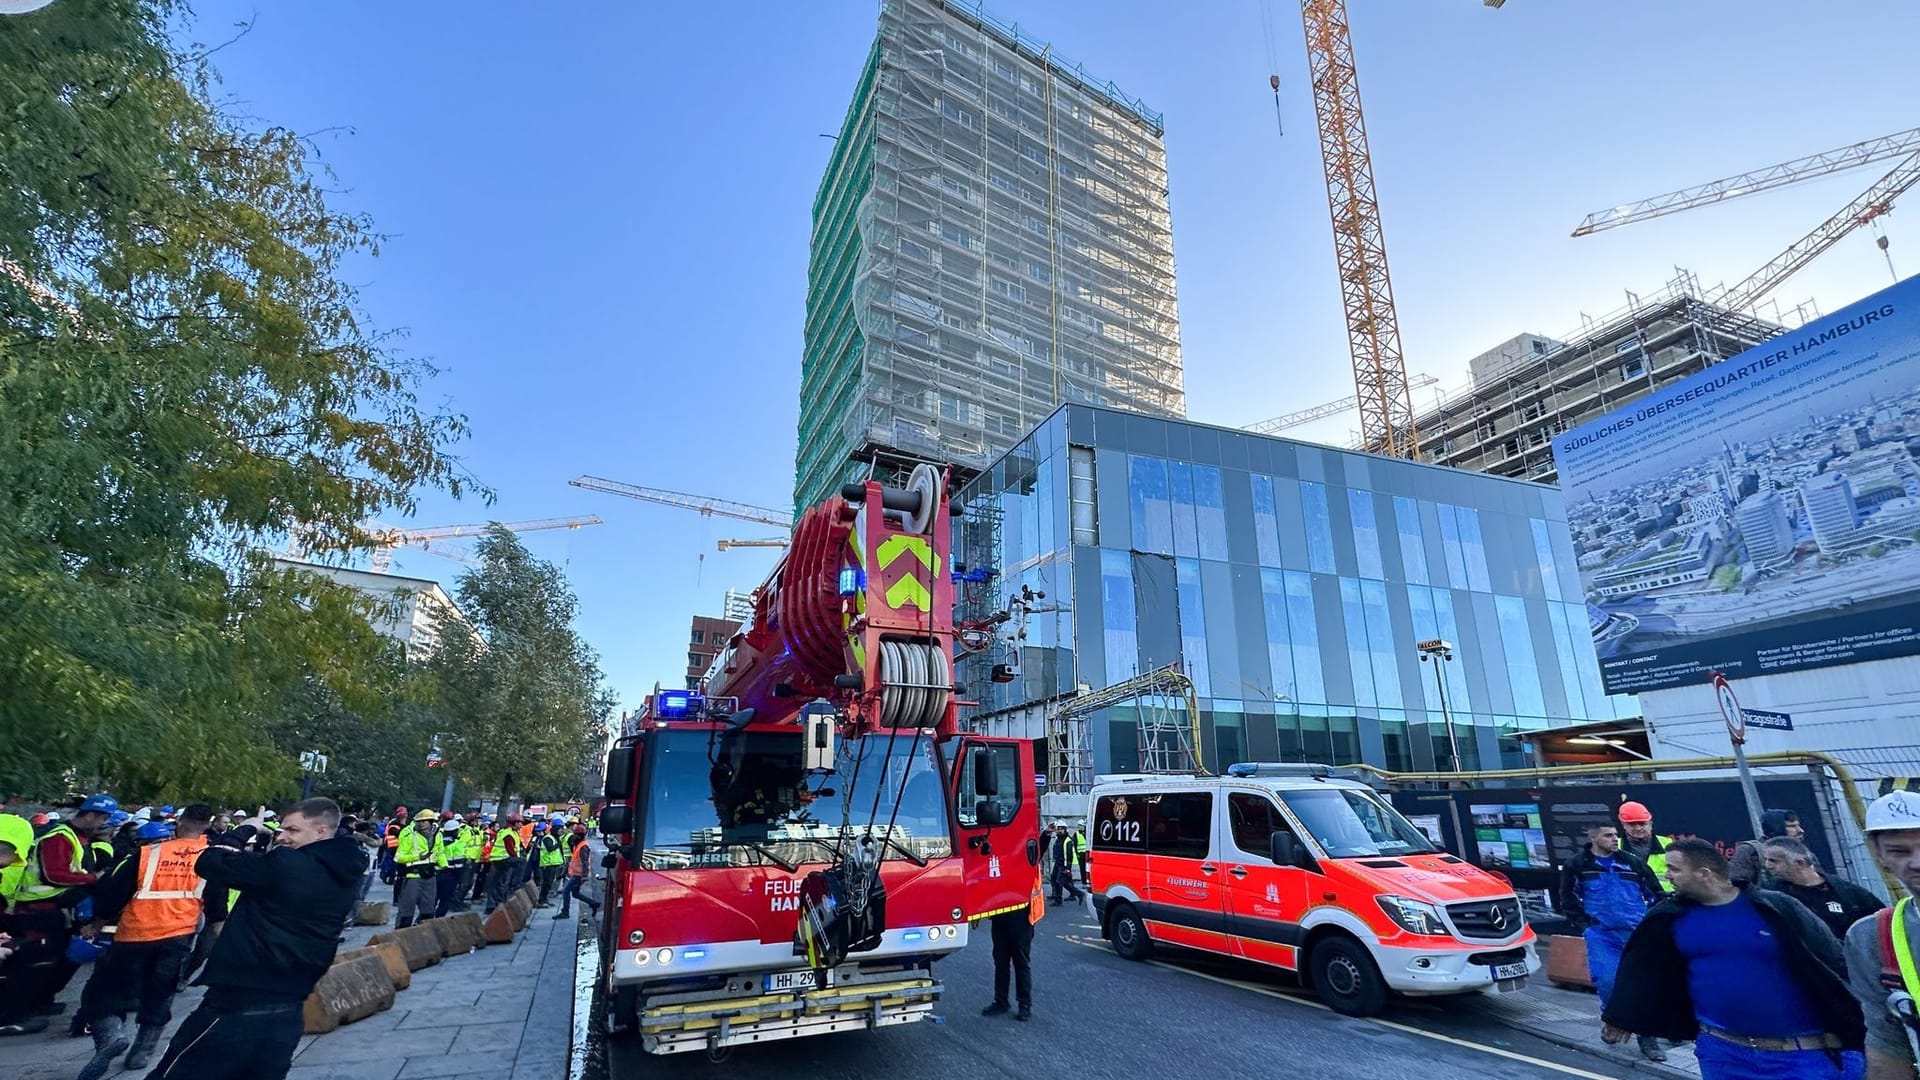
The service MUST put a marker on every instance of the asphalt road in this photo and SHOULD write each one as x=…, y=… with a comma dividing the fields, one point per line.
x=1180, y=1016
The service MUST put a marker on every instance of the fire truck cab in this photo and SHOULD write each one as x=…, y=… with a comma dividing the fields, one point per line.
x=1286, y=865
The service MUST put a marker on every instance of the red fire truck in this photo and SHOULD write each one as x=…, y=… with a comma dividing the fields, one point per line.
x=794, y=846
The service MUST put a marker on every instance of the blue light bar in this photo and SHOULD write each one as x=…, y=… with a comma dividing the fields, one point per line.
x=849, y=580
x=675, y=704
x=693, y=954
x=912, y=935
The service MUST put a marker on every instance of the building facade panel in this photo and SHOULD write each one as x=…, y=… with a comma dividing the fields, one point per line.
x=1292, y=596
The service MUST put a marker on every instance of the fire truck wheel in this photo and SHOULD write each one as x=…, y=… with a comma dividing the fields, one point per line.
x=1129, y=933
x=1347, y=978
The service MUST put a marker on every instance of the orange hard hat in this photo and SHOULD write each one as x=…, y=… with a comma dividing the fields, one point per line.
x=1633, y=811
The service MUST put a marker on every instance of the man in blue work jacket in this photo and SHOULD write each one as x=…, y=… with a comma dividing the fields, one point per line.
x=1605, y=892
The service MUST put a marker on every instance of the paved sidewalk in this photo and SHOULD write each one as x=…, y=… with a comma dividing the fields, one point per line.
x=504, y=1012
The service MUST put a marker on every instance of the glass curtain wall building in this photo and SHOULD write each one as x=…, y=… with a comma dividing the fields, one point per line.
x=1292, y=581
x=991, y=239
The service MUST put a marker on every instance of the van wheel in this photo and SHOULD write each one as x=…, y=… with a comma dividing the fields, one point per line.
x=1129, y=934
x=1347, y=978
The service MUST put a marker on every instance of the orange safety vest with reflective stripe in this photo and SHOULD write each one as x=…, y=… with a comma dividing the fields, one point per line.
x=1037, y=904
x=167, y=903
x=576, y=863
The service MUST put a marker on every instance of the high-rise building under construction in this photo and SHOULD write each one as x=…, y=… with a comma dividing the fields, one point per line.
x=991, y=239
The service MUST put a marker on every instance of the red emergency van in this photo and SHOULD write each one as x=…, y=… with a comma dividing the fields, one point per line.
x=1287, y=865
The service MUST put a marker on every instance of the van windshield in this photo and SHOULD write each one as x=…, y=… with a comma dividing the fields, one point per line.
x=1350, y=824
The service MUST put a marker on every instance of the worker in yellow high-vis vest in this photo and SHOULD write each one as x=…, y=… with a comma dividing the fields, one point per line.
x=1641, y=842
x=413, y=861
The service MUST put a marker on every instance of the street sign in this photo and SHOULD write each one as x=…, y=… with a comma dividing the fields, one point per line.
x=1770, y=721
x=1730, y=709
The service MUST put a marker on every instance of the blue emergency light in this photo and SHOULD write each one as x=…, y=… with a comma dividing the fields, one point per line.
x=676, y=704
x=849, y=580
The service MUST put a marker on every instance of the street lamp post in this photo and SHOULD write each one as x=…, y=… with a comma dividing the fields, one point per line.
x=1443, y=649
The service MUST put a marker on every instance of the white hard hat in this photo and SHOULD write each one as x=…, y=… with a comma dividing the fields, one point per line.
x=144, y=814
x=1894, y=811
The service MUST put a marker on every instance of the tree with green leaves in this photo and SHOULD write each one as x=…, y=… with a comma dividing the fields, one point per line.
x=185, y=375
x=522, y=700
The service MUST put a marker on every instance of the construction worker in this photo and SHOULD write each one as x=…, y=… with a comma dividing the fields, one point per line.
x=53, y=883
x=524, y=872
x=1883, y=952
x=151, y=904
x=1641, y=842
x=391, y=833
x=483, y=865
x=548, y=856
x=105, y=846
x=1080, y=854
x=449, y=861
x=1606, y=893
x=413, y=865
x=16, y=847
x=581, y=851
x=476, y=843
x=503, y=863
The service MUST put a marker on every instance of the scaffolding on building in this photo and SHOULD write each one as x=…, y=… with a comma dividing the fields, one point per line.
x=991, y=239
x=1504, y=424
x=1168, y=729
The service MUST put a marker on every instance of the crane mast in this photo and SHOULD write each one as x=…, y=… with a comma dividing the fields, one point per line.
x=1359, y=245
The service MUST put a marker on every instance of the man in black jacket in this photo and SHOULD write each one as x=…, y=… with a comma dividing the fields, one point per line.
x=279, y=939
x=1751, y=975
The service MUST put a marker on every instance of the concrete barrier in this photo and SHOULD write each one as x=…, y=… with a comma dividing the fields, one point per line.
x=520, y=908
x=391, y=958
x=499, y=927
x=459, y=934
x=531, y=892
x=373, y=913
x=1567, y=962
x=420, y=944
x=350, y=990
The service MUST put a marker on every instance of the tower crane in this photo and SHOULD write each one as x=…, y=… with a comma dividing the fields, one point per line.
x=703, y=505
x=1359, y=243
x=385, y=538
x=1323, y=410
x=1868, y=206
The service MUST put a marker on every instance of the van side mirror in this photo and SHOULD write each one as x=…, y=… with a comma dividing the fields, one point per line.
x=1284, y=850
x=621, y=762
x=986, y=773
x=990, y=816
x=616, y=820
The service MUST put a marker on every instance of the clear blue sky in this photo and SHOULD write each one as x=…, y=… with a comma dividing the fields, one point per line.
x=599, y=215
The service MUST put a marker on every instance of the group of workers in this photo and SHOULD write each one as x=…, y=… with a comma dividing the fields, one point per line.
x=1772, y=966
x=439, y=864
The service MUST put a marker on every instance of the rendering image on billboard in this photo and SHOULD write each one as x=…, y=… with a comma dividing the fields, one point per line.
x=1761, y=516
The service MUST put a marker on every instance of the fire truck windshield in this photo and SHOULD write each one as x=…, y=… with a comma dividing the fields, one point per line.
x=1350, y=824
x=741, y=799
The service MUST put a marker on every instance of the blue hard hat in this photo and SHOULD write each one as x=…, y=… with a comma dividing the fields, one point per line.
x=100, y=804
x=118, y=818
x=80, y=950
x=167, y=810
x=540, y=827
x=155, y=830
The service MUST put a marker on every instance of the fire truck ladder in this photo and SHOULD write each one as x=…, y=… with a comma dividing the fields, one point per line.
x=1168, y=743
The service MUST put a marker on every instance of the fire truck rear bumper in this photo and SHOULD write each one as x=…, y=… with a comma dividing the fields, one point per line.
x=883, y=1000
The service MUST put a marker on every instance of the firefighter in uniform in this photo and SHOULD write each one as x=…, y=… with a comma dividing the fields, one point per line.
x=1013, y=954
x=413, y=867
x=1641, y=843
x=151, y=903
x=449, y=861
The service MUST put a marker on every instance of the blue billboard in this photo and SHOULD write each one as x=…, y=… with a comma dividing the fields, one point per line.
x=1761, y=516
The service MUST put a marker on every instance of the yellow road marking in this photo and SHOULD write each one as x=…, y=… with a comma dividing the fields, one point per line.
x=1322, y=1006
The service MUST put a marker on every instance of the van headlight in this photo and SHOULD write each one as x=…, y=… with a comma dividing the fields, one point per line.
x=1413, y=916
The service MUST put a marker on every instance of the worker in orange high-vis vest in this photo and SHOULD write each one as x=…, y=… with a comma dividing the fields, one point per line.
x=151, y=904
